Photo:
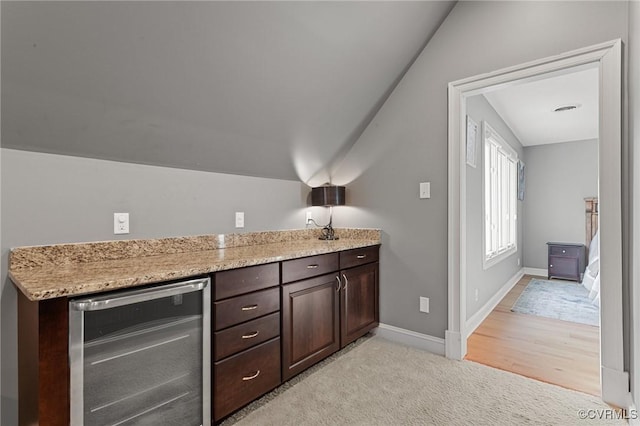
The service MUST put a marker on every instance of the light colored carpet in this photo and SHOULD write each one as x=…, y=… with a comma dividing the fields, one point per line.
x=563, y=300
x=383, y=383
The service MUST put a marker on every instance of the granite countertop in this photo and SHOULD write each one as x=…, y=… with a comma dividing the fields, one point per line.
x=48, y=272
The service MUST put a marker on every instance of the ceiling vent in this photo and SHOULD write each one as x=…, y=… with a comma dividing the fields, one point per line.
x=566, y=108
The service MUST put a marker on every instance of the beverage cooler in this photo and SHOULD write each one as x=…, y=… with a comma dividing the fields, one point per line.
x=142, y=356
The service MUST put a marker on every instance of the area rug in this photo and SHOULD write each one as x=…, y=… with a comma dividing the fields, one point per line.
x=563, y=300
x=384, y=383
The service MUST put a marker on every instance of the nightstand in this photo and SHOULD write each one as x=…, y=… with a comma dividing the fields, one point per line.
x=566, y=260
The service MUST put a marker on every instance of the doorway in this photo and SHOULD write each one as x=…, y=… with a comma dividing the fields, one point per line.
x=607, y=58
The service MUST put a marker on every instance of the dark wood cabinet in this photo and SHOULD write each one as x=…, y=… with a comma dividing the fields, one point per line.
x=43, y=362
x=246, y=341
x=310, y=322
x=566, y=260
x=359, y=302
x=320, y=315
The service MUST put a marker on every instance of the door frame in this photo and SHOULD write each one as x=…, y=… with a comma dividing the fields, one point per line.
x=607, y=57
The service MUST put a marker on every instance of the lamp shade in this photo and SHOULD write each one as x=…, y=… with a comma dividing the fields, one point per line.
x=328, y=196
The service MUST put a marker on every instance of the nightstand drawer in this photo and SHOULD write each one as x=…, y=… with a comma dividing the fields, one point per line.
x=569, y=251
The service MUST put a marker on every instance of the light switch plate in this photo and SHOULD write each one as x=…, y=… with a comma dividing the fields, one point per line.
x=239, y=219
x=425, y=189
x=424, y=305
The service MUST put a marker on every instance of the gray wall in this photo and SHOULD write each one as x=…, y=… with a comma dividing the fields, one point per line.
x=558, y=179
x=49, y=199
x=634, y=138
x=126, y=80
x=488, y=281
x=406, y=143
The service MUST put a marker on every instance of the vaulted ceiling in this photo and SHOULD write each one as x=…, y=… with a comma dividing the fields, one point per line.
x=271, y=89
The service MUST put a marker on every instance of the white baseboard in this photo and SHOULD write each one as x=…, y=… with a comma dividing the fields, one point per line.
x=411, y=338
x=453, y=345
x=536, y=271
x=477, y=318
x=615, y=387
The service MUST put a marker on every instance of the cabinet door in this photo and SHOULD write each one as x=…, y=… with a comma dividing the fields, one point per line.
x=359, y=302
x=310, y=323
x=564, y=267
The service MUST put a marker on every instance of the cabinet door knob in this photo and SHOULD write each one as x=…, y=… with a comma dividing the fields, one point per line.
x=249, y=308
x=550, y=266
x=250, y=335
x=564, y=251
x=251, y=377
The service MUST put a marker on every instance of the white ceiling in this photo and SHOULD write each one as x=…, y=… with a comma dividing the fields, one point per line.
x=271, y=89
x=528, y=108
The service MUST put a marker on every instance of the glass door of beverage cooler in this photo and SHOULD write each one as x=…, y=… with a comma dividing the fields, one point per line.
x=142, y=356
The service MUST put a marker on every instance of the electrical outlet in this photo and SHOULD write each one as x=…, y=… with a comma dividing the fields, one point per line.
x=518, y=261
x=121, y=223
x=476, y=294
x=424, y=305
x=309, y=218
x=239, y=219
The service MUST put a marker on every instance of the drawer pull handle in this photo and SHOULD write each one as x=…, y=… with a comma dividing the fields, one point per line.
x=253, y=376
x=346, y=281
x=314, y=266
x=361, y=256
x=249, y=308
x=339, y=283
x=250, y=335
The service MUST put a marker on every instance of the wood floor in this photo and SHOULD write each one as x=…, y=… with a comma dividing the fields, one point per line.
x=553, y=351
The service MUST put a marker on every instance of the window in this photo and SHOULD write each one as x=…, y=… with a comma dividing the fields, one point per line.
x=500, y=197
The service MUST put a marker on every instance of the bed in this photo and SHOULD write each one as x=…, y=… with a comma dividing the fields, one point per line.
x=591, y=279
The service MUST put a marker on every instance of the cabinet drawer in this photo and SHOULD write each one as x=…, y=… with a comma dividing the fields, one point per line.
x=358, y=257
x=244, y=336
x=240, y=309
x=306, y=267
x=245, y=280
x=569, y=251
x=242, y=378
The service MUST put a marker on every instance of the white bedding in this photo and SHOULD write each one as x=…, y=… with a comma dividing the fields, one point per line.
x=591, y=279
